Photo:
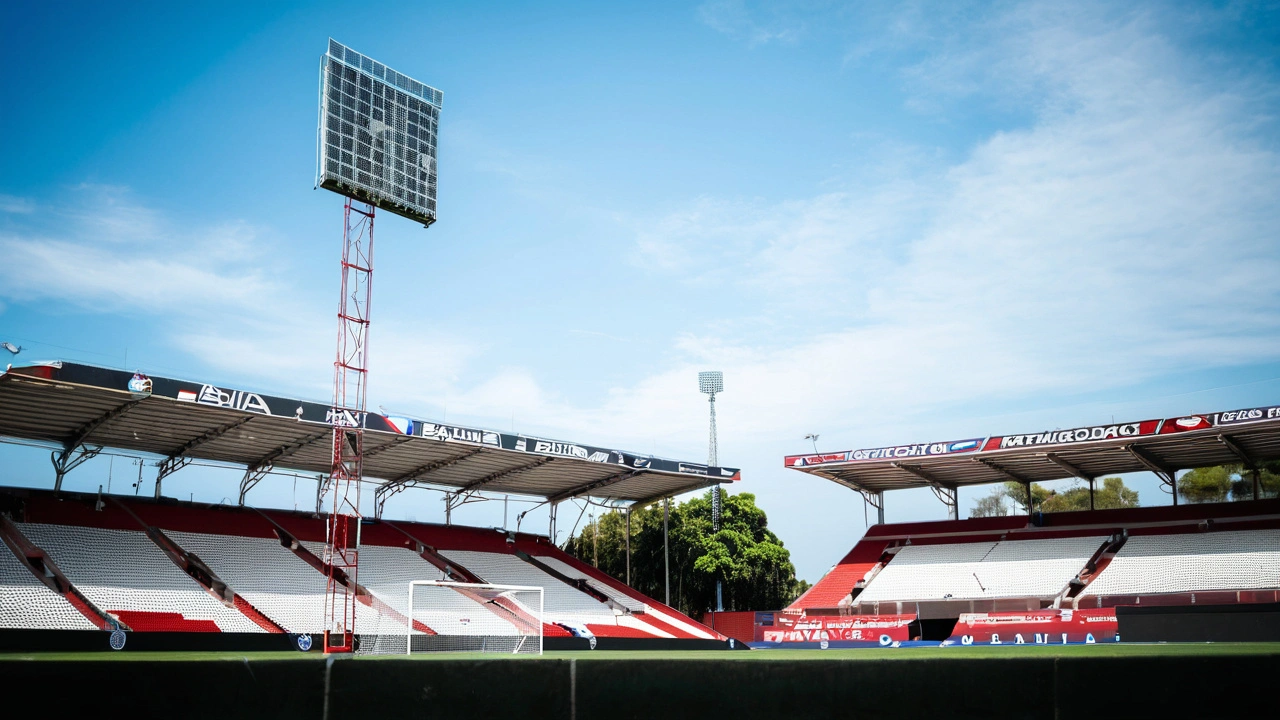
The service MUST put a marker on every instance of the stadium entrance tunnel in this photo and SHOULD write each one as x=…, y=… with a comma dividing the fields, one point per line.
x=943, y=683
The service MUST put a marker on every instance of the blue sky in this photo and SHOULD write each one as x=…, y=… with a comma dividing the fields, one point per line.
x=885, y=222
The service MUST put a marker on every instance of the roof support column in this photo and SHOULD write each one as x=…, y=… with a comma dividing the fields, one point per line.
x=879, y=508
x=551, y=528
x=1152, y=463
x=1246, y=460
x=1091, y=493
x=628, y=547
x=1030, y=501
x=74, y=450
x=666, y=548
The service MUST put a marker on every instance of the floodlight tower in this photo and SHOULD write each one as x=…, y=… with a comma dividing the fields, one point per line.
x=710, y=383
x=376, y=145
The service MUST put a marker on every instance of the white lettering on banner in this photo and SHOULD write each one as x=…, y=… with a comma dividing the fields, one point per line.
x=1058, y=437
x=599, y=456
x=449, y=432
x=1238, y=416
x=342, y=418
x=558, y=448
x=235, y=399
x=910, y=451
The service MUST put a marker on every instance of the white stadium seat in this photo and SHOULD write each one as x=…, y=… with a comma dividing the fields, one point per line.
x=25, y=602
x=122, y=570
x=1231, y=560
x=965, y=571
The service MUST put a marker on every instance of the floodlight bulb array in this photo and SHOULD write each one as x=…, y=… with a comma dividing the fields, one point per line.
x=377, y=139
x=711, y=382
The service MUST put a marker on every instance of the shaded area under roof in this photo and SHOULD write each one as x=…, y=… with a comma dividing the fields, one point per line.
x=1247, y=436
x=82, y=406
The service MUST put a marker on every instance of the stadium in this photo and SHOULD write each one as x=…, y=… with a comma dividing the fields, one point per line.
x=1067, y=599
x=159, y=606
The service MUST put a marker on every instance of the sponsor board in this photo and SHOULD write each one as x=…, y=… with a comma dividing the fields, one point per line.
x=1184, y=424
x=1237, y=417
x=893, y=452
x=234, y=399
x=807, y=460
x=454, y=433
x=1040, y=627
x=1074, y=435
x=344, y=418
x=868, y=629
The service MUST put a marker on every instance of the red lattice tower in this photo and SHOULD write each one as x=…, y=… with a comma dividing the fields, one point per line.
x=350, y=383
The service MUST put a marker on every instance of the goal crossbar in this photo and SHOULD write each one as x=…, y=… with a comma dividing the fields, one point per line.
x=503, y=601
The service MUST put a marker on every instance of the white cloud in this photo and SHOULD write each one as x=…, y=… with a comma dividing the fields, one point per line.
x=16, y=205
x=755, y=25
x=1127, y=233
x=205, y=288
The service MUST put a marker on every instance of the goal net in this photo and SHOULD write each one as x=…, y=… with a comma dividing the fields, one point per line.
x=439, y=616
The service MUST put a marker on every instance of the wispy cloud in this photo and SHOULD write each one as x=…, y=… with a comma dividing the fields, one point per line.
x=16, y=205
x=1101, y=246
x=205, y=288
x=757, y=26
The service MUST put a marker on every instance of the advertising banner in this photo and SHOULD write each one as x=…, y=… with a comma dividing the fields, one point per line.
x=1040, y=627
x=838, y=630
x=1074, y=436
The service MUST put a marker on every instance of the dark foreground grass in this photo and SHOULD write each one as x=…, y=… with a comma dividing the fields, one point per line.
x=858, y=655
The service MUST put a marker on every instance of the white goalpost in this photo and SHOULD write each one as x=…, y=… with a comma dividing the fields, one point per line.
x=441, y=616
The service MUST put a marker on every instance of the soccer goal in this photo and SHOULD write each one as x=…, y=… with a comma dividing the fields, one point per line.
x=439, y=616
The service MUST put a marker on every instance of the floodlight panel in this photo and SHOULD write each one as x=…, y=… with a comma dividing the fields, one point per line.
x=711, y=381
x=377, y=140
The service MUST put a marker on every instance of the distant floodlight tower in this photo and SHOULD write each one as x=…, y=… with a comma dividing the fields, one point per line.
x=375, y=144
x=710, y=383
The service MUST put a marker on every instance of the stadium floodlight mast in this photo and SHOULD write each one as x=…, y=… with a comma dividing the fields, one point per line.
x=376, y=145
x=711, y=382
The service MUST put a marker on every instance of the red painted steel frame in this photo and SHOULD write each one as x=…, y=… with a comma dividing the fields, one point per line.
x=350, y=381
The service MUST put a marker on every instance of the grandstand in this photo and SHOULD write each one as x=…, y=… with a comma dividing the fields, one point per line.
x=262, y=572
x=163, y=566
x=1033, y=571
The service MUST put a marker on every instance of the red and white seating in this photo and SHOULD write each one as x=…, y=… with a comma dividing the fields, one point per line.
x=26, y=603
x=126, y=575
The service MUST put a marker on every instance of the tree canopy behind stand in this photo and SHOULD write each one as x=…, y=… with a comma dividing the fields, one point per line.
x=1011, y=497
x=752, y=562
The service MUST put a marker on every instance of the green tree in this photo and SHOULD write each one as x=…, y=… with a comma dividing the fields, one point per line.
x=1111, y=494
x=1206, y=485
x=992, y=505
x=1017, y=493
x=1217, y=483
x=751, y=561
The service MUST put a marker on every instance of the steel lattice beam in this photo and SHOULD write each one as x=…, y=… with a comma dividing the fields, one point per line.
x=593, y=485
x=668, y=493
x=1002, y=471
x=254, y=473
x=1236, y=450
x=178, y=459
x=63, y=462
x=422, y=470
x=1151, y=463
x=1070, y=468
x=481, y=482
x=927, y=477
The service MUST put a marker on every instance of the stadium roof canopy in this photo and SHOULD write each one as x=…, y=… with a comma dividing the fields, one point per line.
x=1164, y=447
x=81, y=407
